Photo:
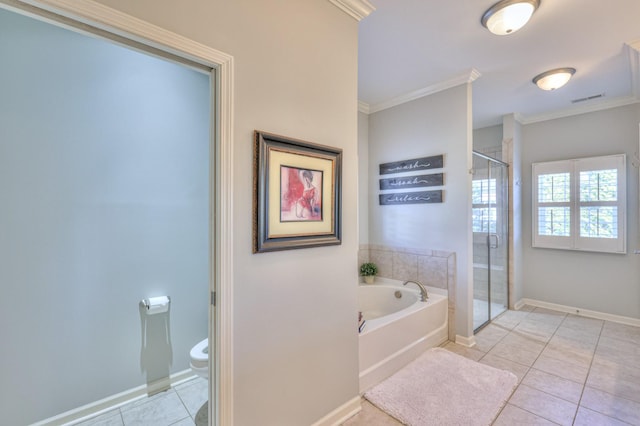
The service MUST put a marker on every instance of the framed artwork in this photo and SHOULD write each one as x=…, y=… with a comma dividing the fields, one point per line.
x=297, y=194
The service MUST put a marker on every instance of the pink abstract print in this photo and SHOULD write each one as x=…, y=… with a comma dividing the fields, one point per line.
x=300, y=194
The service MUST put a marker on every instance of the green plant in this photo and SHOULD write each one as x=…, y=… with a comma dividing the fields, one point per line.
x=368, y=269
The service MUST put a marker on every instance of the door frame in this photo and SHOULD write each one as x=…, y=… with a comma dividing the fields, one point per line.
x=89, y=17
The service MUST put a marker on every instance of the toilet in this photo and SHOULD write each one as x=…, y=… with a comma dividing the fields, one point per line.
x=200, y=358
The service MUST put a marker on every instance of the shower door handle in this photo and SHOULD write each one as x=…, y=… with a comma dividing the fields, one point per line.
x=493, y=240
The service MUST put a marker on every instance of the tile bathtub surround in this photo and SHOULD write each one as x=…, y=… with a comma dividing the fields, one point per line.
x=431, y=267
x=571, y=370
x=434, y=268
x=183, y=405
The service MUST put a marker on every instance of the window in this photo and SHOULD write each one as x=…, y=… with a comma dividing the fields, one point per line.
x=580, y=204
x=483, y=195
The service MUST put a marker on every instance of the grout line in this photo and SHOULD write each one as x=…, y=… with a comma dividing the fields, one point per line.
x=586, y=379
x=575, y=412
x=530, y=367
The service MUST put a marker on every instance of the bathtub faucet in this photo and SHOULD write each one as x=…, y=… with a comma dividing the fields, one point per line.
x=423, y=291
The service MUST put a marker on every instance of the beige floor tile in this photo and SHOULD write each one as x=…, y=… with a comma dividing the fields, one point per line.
x=539, y=331
x=610, y=405
x=523, y=342
x=564, y=368
x=504, y=364
x=586, y=336
x=624, y=332
x=510, y=319
x=489, y=336
x=512, y=415
x=466, y=352
x=554, y=385
x=577, y=322
x=517, y=349
x=370, y=416
x=187, y=422
x=547, y=316
x=570, y=354
x=110, y=418
x=194, y=394
x=616, y=379
x=573, y=343
x=586, y=417
x=164, y=410
x=544, y=405
x=618, y=351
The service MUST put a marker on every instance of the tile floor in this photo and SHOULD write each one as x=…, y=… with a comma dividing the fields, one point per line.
x=182, y=405
x=481, y=311
x=571, y=370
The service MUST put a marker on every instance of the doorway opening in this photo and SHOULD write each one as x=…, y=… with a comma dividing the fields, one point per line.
x=83, y=17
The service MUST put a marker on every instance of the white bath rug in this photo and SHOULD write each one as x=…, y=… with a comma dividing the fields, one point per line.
x=442, y=388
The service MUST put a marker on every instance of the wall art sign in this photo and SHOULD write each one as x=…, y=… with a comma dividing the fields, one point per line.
x=416, y=164
x=434, y=179
x=420, y=197
x=297, y=194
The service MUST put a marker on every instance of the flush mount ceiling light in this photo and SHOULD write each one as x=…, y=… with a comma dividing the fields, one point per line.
x=553, y=79
x=508, y=16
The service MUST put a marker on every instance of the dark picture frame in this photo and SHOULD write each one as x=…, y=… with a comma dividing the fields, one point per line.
x=297, y=194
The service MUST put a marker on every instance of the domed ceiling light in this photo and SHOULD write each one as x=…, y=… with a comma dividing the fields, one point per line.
x=508, y=16
x=553, y=79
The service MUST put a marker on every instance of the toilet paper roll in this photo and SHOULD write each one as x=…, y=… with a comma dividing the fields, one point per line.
x=156, y=305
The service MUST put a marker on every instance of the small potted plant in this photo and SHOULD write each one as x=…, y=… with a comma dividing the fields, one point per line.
x=368, y=270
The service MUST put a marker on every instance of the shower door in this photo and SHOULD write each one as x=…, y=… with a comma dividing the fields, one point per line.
x=490, y=239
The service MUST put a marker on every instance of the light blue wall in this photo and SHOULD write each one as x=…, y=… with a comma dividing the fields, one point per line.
x=363, y=178
x=608, y=283
x=104, y=193
x=432, y=125
x=487, y=137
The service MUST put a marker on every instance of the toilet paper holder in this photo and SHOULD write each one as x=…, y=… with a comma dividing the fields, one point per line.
x=156, y=305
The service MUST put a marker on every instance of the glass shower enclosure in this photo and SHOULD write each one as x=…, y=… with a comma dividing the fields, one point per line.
x=490, y=213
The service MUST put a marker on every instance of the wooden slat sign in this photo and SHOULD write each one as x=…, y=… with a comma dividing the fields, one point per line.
x=420, y=197
x=434, y=179
x=424, y=163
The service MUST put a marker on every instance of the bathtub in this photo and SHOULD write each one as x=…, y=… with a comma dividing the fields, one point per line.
x=397, y=329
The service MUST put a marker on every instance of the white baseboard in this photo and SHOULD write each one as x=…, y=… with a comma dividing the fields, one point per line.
x=519, y=304
x=342, y=413
x=115, y=401
x=579, y=311
x=466, y=341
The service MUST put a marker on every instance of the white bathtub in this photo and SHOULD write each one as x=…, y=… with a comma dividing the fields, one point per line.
x=397, y=330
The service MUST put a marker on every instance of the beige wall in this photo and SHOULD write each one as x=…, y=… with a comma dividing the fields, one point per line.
x=295, y=335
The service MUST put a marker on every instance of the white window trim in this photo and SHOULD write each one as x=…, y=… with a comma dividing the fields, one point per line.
x=574, y=241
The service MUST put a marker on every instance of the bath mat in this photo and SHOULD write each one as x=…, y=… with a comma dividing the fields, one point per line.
x=443, y=388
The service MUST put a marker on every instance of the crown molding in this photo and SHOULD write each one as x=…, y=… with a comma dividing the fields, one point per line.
x=465, y=78
x=363, y=107
x=518, y=117
x=568, y=112
x=633, y=49
x=357, y=9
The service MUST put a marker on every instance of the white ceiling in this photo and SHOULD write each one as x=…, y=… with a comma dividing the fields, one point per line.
x=408, y=48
